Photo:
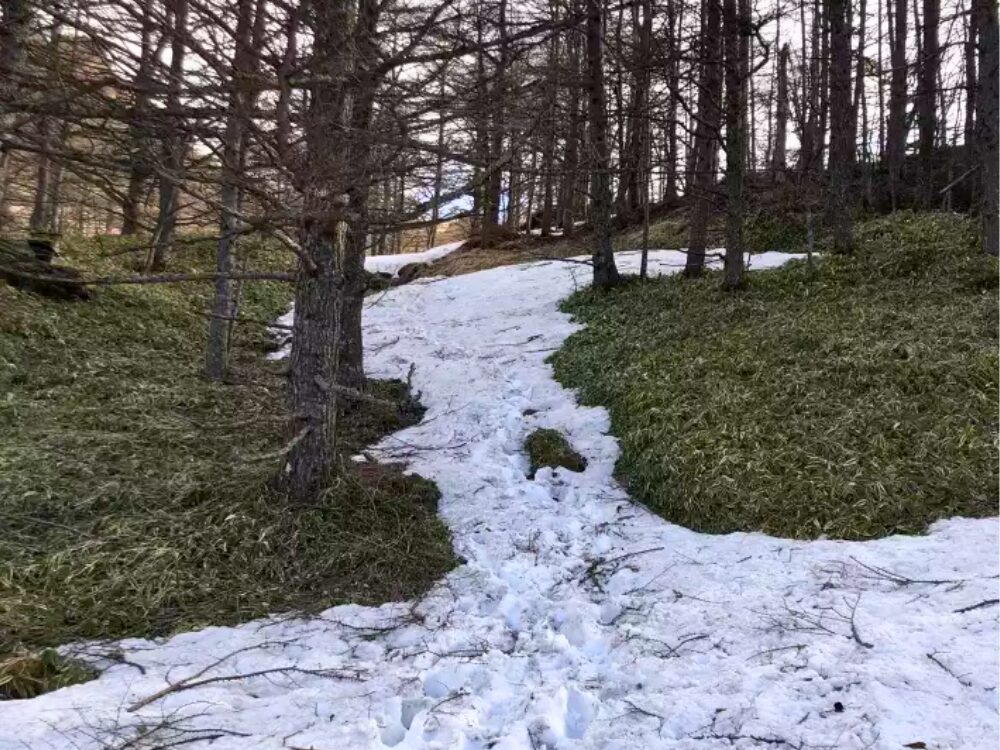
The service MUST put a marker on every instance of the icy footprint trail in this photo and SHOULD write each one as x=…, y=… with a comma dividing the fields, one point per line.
x=580, y=620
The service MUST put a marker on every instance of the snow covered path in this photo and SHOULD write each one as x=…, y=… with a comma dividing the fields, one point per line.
x=580, y=620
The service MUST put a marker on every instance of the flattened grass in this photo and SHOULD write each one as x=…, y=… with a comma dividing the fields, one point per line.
x=855, y=400
x=134, y=497
x=548, y=447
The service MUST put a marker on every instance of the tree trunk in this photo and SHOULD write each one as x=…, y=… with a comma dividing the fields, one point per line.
x=315, y=357
x=174, y=145
x=217, y=352
x=987, y=113
x=571, y=159
x=841, y=126
x=897, y=128
x=139, y=167
x=778, y=155
x=702, y=180
x=969, y=129
x=605, y=272
x=351, y=371
x=494, y=175
x=736, y=76
x=927, y=100
x=14, y=21
x=438, y=173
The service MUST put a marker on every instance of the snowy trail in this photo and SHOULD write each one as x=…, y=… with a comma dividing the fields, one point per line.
x=580, y=620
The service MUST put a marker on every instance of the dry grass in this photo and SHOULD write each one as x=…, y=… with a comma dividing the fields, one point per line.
x=547, y=447
x=26, y=674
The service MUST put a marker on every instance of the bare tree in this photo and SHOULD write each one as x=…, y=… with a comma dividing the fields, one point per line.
x=605, y=271
x=841, y=126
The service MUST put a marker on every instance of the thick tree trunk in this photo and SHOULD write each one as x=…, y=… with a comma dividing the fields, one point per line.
x=315, y=358
x=605, y=271
x=736, y=78
x=706, y=144
x=927, y=100
x=987, y=113
x=841, y=126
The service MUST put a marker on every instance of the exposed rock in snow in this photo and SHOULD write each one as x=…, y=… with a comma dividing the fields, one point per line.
x=580, y=619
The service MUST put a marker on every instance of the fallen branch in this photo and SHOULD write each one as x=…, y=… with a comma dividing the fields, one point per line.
x=899, y=580
x=978, y=605
x=158, y=278
x=190, y=684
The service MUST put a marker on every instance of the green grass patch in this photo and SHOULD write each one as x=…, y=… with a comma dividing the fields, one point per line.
x=853, y=400
x=134, y=493
x=547, y=447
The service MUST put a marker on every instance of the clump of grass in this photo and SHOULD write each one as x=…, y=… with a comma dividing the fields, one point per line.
x=134, y=493
x=855, y=401
x=547, y=447
x=28, y=674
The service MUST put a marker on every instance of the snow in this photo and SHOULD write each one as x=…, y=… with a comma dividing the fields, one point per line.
x=392, y=263
x=579, y=620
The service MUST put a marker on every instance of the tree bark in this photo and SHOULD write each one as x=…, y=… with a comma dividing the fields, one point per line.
x=987, y=113
x=15, y=18
x=605, y=271
x=927, y=100
x=702, y=180
x=315, y=357
x=140, y=169
x=733, y=20
x=897, y=128
x=351, y=371
x=841, y=126
x=778, y=154
x=969, y=129
x=571, y=160
x=174, y=145
x=217, y=352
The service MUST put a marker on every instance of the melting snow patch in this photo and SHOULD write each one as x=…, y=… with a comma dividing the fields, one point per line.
x=580, y=619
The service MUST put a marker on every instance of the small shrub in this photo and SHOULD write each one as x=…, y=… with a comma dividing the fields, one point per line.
x=546, y=447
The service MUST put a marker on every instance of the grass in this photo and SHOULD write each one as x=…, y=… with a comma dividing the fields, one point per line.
x=134, y=493
x=852, y=400
x=547, y=447
x=25, y=675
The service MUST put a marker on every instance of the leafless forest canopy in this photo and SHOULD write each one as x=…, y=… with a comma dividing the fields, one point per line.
x=340, y=128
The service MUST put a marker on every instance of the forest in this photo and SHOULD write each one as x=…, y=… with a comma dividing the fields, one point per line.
x=479, y=374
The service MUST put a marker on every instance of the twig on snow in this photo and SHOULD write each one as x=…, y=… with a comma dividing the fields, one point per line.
x=898, y=579
x=933, y=658
x=978, y=605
